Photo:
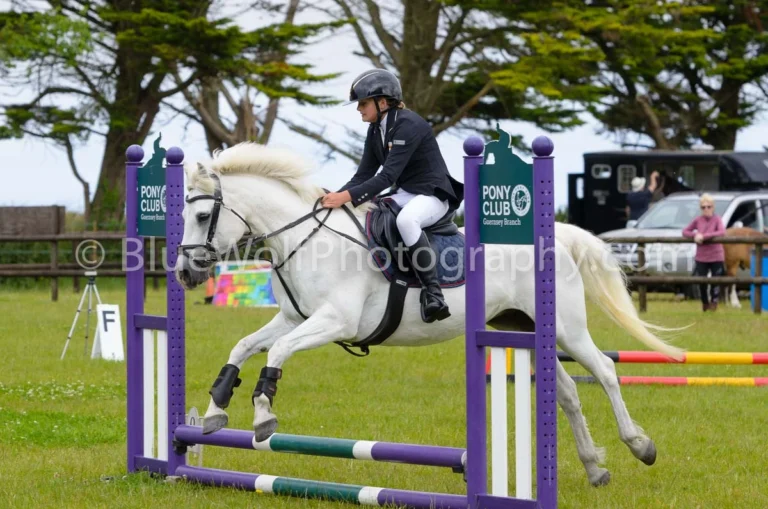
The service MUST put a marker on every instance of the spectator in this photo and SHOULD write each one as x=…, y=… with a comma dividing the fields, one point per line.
x=639, y=199
x=709, y=257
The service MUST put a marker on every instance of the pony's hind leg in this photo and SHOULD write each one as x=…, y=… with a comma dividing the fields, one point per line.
x=590, y=456
x=223, y=387
x=586, y=353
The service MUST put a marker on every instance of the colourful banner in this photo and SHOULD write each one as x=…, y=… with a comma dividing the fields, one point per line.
x=247, y=284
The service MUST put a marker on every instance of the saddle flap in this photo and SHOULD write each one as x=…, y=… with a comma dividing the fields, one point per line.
x=384, y=240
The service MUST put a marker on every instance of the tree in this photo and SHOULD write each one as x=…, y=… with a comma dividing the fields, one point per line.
x=672, y=74
x=242, y=120
x=108, y=66
x=460, y=67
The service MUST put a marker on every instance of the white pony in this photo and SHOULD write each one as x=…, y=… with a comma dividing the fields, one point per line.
x=343, y=297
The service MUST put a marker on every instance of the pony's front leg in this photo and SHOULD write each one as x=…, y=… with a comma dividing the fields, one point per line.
x=223, y=388
x=323, y=327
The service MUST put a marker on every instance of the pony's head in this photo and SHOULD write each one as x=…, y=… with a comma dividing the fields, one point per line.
x=210, y=227
x=214, y=221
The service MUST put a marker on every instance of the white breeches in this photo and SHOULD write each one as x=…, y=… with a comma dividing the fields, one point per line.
x=418, y=212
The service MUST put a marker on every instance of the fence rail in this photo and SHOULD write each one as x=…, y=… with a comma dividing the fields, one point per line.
x=56, y=268
x=641, y=280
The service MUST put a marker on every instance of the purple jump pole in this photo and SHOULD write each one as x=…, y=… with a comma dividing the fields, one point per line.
x=429, y=455
x=350, y=493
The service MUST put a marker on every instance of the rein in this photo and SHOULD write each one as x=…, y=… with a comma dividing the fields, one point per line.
x=249, y=238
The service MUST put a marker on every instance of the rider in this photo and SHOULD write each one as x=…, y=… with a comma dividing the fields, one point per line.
x=403, y=144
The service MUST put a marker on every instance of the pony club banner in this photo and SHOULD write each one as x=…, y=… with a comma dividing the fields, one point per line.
x=244, y=284
x=151, y=190
x=506, y=195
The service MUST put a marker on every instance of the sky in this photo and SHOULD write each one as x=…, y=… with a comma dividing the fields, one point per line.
x=35, y=173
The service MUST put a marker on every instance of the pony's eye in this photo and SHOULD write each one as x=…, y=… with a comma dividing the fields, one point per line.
x=203, y=217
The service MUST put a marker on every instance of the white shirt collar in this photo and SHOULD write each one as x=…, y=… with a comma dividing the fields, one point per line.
x=383, y=125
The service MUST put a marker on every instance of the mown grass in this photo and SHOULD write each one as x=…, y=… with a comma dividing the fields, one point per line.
x=62, y=423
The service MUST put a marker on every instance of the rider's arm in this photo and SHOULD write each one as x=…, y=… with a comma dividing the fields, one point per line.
x=368, y=164
x=411, y=136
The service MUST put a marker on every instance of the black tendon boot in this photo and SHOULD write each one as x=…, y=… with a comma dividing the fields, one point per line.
x=424, y=264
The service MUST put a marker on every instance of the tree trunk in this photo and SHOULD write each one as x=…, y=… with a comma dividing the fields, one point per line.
x=209, y=98
x=723, y=136
x=109, y=200
x=131, y=116
x=418, y=54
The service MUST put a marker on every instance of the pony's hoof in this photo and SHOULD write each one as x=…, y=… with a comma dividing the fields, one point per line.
x=602, y=480
x=214, y=423
x=265, y=429
x=649, y=455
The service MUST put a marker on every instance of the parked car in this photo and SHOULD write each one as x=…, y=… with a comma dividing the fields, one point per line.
x=668, y=217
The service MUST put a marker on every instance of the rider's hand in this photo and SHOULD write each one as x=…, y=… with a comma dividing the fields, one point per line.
x=698, y=238
x=336, y=200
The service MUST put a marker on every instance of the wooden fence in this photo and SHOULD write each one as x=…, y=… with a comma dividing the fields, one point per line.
x=56, y=269
x=640, y=278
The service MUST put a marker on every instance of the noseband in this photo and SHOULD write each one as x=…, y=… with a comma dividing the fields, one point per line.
x=218, y=203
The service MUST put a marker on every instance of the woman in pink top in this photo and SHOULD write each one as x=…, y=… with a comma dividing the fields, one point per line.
x=709, y=257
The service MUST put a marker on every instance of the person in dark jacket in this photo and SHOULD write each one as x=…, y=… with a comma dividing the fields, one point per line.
x=403, y=145
x=640, y=199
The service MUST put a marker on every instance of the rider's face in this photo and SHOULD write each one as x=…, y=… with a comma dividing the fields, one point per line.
x=367, y=109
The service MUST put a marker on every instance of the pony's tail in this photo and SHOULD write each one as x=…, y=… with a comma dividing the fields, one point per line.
x=605, y=283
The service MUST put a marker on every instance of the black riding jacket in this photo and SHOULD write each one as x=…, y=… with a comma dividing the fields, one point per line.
x=411, y=160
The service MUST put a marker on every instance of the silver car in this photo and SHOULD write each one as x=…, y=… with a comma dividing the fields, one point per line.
x=668, y=217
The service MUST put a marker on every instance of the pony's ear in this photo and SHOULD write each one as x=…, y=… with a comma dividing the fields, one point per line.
x=201, y=170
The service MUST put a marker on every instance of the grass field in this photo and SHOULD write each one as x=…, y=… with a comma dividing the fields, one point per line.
x=62, y=423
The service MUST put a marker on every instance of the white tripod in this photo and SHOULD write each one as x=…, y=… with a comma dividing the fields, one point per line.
x=90, y=289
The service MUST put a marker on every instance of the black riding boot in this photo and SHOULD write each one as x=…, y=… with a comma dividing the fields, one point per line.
x=424, y=264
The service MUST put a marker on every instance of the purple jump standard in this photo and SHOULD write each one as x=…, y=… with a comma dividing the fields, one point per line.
x=476, y=334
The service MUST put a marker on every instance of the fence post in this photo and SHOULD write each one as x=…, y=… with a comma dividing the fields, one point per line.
x=54, y=266
x=642, y=288
x=75, y=279
x=758, y=273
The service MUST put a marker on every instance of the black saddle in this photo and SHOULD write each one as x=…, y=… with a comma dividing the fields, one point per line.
x=381, y=225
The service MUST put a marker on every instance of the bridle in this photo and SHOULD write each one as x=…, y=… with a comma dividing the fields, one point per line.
x=218, y=203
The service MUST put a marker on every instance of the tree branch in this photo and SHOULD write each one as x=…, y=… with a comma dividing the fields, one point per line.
x=228, y=96
x=96, y=94
x=182, y=112
x=58, y=90
x=163, y=94
x=389, y=42
x=445, y=52
x=367, y=51
x=206, y=119
x=83, y=13
x=654, y=125
x=461, y=112
x=274, y=102
x=86, y=187
x=318, y=137
x=446, y=49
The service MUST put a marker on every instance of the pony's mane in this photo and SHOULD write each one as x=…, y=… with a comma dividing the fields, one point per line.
x=255, y=159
